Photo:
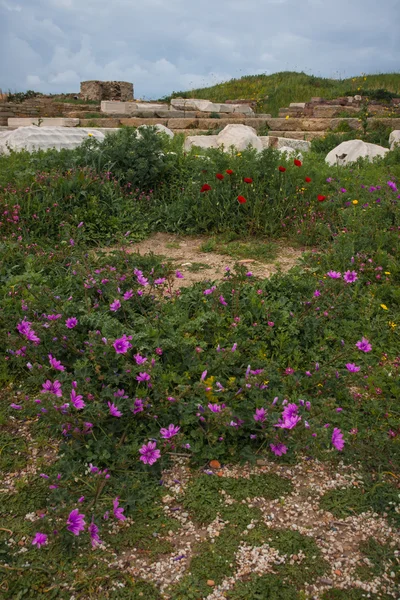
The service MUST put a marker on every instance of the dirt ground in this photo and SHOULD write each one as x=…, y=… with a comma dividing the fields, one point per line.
x=196, y=265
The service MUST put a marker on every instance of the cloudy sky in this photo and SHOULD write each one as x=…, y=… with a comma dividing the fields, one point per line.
x=167, y=45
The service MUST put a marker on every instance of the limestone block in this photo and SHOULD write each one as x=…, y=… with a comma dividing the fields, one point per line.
x=160, y=129
x=394, y=139
x=290, y=151
x=297, y=105
x=352, y=150
x=178, y=114
x=45, y=122
x=201, y=141
x=240, y=137
x=44, y=138
x=352, y=123
x=136, y=122
x=333, y=111
x=295, y=124
x=99, y=122
x=298, y=145
x=183, y=123
x=151, y=106
x=212, y=123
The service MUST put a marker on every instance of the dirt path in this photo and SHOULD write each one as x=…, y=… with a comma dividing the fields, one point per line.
x=197, y=265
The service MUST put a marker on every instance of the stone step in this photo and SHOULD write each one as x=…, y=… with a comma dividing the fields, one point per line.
x=46, y=122
x=298, y=135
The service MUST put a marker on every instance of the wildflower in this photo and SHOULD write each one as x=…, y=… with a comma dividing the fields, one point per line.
x=219, y=176
x=297, y=162
x=215, y=408
x=209, y=291
x=52, y=388
x=140, y=360
x=56, y=364
x=71, y=322
x=337, y=439
x=150, y=454
x=77, y=400
x=384, y=307
x=118, y=510
x=234, y=347
x=316, y=294
x=278, y=449
x=137, y=406
x=307, y=179
x=281, y=169
x=122, y=345
x=159, y=281
x=205, y=188
x=143, y=377
x=39, y=540
x=355, y=202
x=352, y=368
x=203, y=375
x=114, y=410
x=334, y=274
x=364, y=345
x=321, y=198
x=229, y=171
x=128, y=295
x=350, y=276
x=392, y=324
x=76, y=522
x=16, y=406
x=178, y=275
x=260, y=415
x=169, y=432
x=247, y=180
x=241, y=200
x=114, y=306
x=392, y=185
x=94, y=534
x=223, y=301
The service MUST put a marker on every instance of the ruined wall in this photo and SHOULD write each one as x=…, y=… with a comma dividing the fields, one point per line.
x=106, y=90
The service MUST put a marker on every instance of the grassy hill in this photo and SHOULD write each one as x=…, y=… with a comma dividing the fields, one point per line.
x=278, y=90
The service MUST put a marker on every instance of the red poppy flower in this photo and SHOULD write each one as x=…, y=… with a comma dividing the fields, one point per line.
x=282, y=169
x=321, y=198
x=307, y=179
x=248, y=180
x=229, y=171
x=297, y=162
x=219, y=176
x=242, y=200
x=205, y=188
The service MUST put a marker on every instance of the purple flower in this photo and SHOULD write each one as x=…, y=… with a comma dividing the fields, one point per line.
x=334, y=274
x=39, y=540
x=128, y=295
x=159, y=281
x=337, y=439
x=71, y=322
x=178, y=275
x=350, y=276
x=215, y=408
x=77, y=400
x=114, y=306
x=209, y=291
x=278, y=449
x=16, y=406
x=234, y=347
x=260, y=415
x=94, y=534
x=392, y=185
x=203, y=375
x=52, y=388
x=222, y=301
x=169, y=432
x=150, y=454
x=352, y=368
x=317, y=293
x=114, y=410
x=140, y=279
x=364, y=345
x=122, y=345
x=140, y=360
x=118, y=510
x=143, y=377
x=76, y=522
x=137, y=406
x=56, y=364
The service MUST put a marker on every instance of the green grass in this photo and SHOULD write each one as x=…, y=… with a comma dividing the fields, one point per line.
x=278, y=90
x=266, y=587
x=257, y=249
x=381, y=557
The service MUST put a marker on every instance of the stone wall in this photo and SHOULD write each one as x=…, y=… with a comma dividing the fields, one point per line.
x=106, y=90
x=40, y=107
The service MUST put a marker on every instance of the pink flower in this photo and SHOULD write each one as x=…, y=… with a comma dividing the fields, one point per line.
x=114, y=306
x=39, y=540
x=178, y=275
x=118, y=510
x=337, y=439
x=222, y=301
x=352, y=368
x=94, y=534
x=143, y=377
x=260, y=415
x=364, y=345
x=16, y=406
x=140, y=360
x=169, y=432
x=128, y=295
x=76, y=522
x=278, y=449
x=149, y=453
x=71, y=322
x=350, y=276
x=56, y=364
x=77, y=400
x=122, y=345
x=114, y=410
x=334, y=274
x=52, y=388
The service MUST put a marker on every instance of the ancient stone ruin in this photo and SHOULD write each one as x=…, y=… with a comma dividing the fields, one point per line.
x=106, y=90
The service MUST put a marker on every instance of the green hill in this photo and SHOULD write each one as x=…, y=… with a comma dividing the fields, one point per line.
x=276, y=91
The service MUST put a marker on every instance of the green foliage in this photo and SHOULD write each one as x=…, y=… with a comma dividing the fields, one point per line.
x=22, y=96
x=265, y=587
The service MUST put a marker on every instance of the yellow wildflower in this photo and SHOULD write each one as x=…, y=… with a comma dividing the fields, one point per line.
x=355, y=202
x=90, y=134
x=287, y=116
x=384, y=307
x=387, y=272
x=392, y=324
x=239, y=154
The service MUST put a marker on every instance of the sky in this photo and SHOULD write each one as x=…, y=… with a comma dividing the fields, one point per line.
x=172, y=45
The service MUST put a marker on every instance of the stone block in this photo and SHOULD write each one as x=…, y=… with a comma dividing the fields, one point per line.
x=394, y=139
x=183, y=123
x=207, y=124
x=135, y=122
x=106, y=90
x=256, y=123
x=326, y=111
x=177, y=114
x=106, y=123
x=45, y=122
x=201, y=141
x=352, y=123
x=297, y=105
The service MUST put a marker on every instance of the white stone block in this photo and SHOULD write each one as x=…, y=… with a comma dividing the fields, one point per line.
x=394, y=139
x=44, y=122
x=352, y=150
x=297, y=105
x=201, y=141
x=45, y=138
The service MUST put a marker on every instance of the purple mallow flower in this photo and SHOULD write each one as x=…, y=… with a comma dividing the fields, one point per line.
x=337, y=439
x=149, y=453
x=122, y=345
x=278, y=449
x=118, y=510
x=114, y=410
x=52, y=388
x=71, y=322
x=114, y=306
x=352, y=368
x=260, y=415
x=364, y=345
x=76, y=522
x=77, y=400
x=94, y=534
x=334, y=274
x=169, y=432
x=350, y=276
x=39, y=540
x=56, y=364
